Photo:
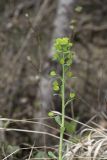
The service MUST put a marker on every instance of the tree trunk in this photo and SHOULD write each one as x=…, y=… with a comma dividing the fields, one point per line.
x=62, y=21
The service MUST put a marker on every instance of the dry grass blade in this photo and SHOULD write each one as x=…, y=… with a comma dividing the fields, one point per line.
x=92, y=146
x=11, y=154
x=98, y=147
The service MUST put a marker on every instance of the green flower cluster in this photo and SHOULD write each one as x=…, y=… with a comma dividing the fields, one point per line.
x=64, y=57
x=63, y=54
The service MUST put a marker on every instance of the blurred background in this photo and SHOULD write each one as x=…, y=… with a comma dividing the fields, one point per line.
x=28, y=29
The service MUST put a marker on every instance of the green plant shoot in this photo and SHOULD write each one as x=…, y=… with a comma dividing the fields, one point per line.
x=64, y=57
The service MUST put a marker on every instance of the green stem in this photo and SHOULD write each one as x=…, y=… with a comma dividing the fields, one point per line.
x=63, y=113
x=68, y=102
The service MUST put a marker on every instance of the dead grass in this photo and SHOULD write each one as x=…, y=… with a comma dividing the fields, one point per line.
x=89, y=144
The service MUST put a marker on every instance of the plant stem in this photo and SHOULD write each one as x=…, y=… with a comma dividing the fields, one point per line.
x=63, y=112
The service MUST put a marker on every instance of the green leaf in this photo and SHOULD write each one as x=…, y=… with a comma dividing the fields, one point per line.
x=58, y=120
x=51, y=155
x=78, y=9
x=50, y=114
x=41, y=154
x=69, y=62
x=69, y=74
x=56, y=88
x=61, y=61
x=66, y=68
x=55, y=56
x=72, y=95
x=70, y=126
x=55, y=83
x=52, y=73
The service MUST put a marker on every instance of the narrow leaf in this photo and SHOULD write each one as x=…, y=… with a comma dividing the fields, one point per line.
x=51, y=155
x=58, y=120
x=70, y=126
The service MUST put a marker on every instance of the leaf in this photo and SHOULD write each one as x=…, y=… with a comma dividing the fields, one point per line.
x=52, y=73
x=51, y=155
x=50, y=114
x=61, y=61
x=56, y=88
x=70, y=126
x=41, y=154
x=69, y=62
x=72, y=95
x=55, y=56
x=66, y=68
x=69, y=74
x=55, y=83
x=58, y=120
